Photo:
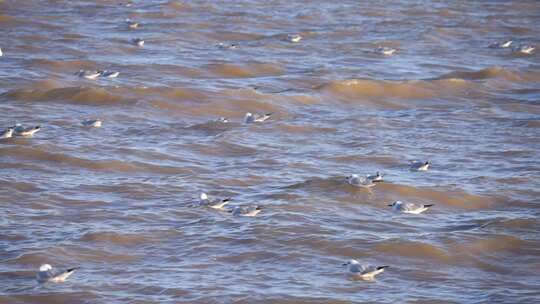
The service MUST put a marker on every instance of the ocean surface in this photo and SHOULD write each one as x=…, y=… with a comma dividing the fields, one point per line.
x=120, y=201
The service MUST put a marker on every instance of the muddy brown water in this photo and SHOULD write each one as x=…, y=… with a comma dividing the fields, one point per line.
x=118, y=200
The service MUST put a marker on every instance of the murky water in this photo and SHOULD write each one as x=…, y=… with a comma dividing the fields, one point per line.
x=118, y=200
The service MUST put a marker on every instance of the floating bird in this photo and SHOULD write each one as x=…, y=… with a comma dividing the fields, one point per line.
x=96, y=123
x=132, y=24
x=19, y=130
x=245, y=211
x=88, y=74
x=1, y=54
x=251, y=118
x=7, y=133
x=375, y=178
x=109, y=74
x=359, y=181
x=215, y=204
x=47, y=274
x=365, y=272
x=138, y=42
x=294, y=38
x=501, y=45
x=525, y=49
x=222, y=120
x=409, y=207
x=420, y=166
x=385, y=50
x=229, y=46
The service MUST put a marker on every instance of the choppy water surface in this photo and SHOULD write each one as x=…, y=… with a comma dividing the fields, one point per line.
x=118, y=200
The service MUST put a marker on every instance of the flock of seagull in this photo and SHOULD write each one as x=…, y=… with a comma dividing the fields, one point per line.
x=294, y=38
x=365, y=272
x=509, y=44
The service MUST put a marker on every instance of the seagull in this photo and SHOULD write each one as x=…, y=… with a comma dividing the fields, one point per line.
x=409, y=207
x=47, y=274
x=8, y=133
x=251, y=118
x=132, y=24
x=138, y=41
x=1, y=52
x=222, y=120
x=88, y=74
x=96, y=123
x=230, y=46
x=501, y=45
x=294, y=38
x=375, y=178
x=365, y=272
x=385, y=50
x=215, y=204
x=109, y=74
x=245, y=211
x=359, y=181
x=420, y=166
x=525, y=49
x=19, y=130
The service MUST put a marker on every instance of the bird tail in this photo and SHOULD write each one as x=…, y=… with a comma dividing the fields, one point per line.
x=429, y=205
x=382, y=267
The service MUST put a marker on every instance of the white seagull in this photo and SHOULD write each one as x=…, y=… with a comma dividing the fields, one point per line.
x=294, y=38
x=88, y=74
x=229, y=46
x=19, y=130
x=109, y=74
x=525, y=49
x=420, y=166
x=251, y=118
x=47, y=274
x=378, y=177
x=215, y=204
x=138, y=42
x=96, y=123
x=245, y=211
x=385, y=50
x=359, y=181
x=365, y=272
x=1, y=52
x=501, y=45
x=409, y=207
x=7, y=133
x=132, y=24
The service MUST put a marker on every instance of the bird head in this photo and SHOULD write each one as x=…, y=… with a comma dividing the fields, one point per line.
x=351, y=262
x=396, y=203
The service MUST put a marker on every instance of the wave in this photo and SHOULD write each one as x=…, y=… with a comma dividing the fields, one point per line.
x=49, y=298
x=491, y=72
x=73, y=95
x=495, y=244
x=115, y=238
x=245, y=71
x=413, y=249
x=388, y=192
x=387, y=93
x=99, y=165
